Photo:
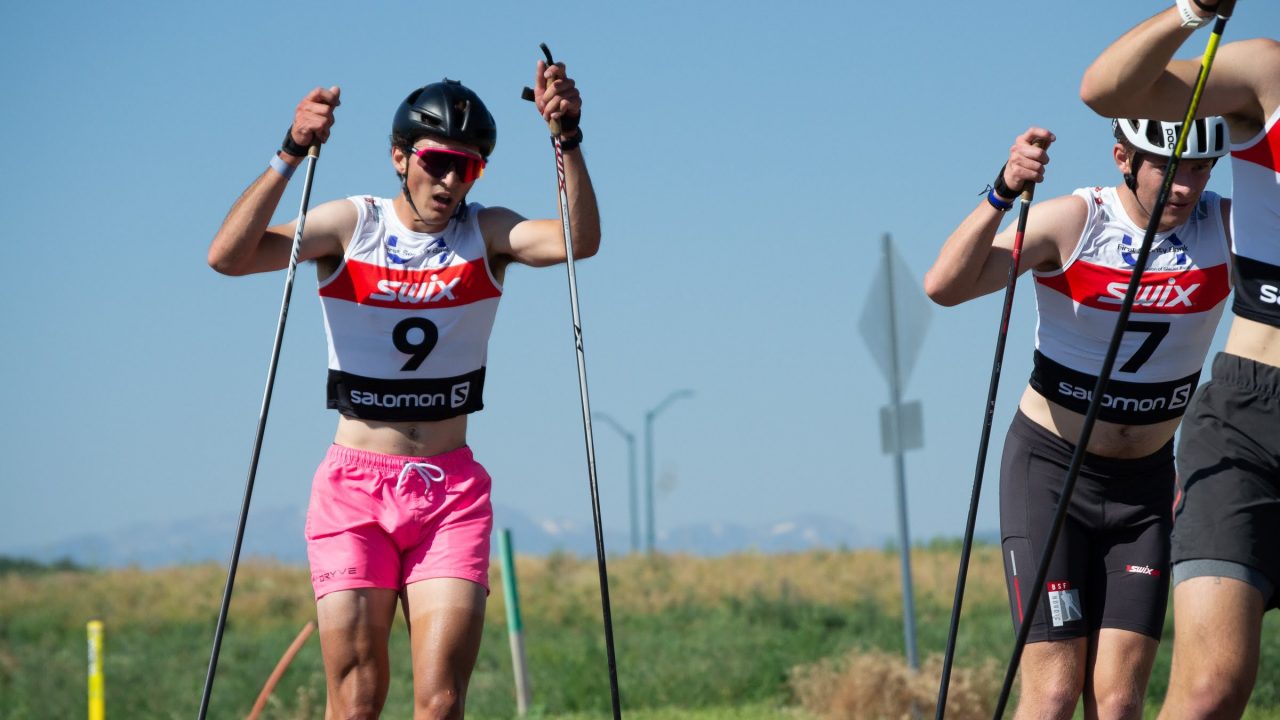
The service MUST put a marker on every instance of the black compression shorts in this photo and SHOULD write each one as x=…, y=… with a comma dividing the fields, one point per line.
x=1229, y=470
x=1110, y=566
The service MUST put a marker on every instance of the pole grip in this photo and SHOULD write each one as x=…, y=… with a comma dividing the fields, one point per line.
x=1030, y=190
x=553, y=124
x=527, y=94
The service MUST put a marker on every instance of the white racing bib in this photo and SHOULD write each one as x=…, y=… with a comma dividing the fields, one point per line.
x=1170, y=327
x=408, y=317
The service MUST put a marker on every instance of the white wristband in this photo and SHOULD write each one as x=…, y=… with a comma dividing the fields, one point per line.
x=1189, y=17
x=282, y=167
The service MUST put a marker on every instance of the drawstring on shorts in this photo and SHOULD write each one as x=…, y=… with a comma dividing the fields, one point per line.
x=425, y=470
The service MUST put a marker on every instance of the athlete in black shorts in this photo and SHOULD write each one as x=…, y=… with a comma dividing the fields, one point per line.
x=1227, y=525
x=1101, y=611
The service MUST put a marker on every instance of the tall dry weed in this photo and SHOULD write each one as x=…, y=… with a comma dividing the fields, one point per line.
x=872, y=685
x=563, y=584
x=265, y=592
x=555, y=586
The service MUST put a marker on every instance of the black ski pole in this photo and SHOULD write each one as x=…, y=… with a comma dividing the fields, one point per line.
x=554, y=127
x=313, y=155
x=994, y=385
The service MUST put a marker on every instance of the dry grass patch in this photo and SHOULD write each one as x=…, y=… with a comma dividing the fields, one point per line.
x=264, y=592
x=878, y=686
x=562, y=584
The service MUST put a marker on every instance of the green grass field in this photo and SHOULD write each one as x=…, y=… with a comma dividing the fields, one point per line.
x=744, y=637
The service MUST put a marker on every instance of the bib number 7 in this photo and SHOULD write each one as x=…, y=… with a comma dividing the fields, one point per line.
x=1156, y=332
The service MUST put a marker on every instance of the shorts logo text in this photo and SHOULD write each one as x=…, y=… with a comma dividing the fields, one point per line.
x=332, y=574
x=1064, y=603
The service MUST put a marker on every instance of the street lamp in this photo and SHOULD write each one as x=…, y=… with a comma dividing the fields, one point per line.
x=632, y=490
x=648, y=458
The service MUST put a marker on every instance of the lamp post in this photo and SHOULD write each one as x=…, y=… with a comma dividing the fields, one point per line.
x=649, y=417
x=632, y=491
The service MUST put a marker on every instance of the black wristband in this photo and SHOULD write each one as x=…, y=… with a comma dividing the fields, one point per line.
x=1207, y=8
x=1002, y=189
x=572, y=141
x=289, y=147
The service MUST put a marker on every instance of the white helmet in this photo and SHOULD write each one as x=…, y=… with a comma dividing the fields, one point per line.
x=1208, y=137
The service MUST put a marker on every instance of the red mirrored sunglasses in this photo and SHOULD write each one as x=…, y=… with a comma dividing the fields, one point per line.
x=438, y=161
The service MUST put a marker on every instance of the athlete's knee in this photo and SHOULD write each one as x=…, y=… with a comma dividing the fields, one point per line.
x=1210, y=696
x=355, y=697
x=1119, y=704
x=355, y=709
x=365, y=713
x=1049, y=698
x=440, y=704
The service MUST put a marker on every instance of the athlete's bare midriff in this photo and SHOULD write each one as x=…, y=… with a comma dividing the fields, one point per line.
x=1253, y=340
x=1107, y=439
x=418, y=439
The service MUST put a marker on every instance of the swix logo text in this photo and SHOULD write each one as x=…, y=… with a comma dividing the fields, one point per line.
x=1270, y=294
x=415, y=292
x=1162, y=295
x=1142, y=570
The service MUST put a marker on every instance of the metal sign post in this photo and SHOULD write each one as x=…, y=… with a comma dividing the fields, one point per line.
x=893, y=325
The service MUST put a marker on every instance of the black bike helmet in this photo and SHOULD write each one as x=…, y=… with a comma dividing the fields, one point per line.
x=447, y=109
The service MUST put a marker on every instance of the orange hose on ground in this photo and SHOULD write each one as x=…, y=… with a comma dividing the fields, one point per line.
x=280, y=668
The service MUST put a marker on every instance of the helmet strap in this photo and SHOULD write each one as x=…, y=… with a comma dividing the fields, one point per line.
x=1131, y=180
x=1131, y=177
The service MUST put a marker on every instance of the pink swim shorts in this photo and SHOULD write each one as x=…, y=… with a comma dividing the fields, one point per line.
x=388, y=520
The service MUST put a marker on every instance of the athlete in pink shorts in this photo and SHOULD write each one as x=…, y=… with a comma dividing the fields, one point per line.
x=410, y=287
x=389, y=520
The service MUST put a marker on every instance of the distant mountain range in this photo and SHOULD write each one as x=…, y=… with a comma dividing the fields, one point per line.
x=277, y=533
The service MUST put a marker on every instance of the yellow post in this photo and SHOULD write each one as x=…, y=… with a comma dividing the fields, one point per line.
x=97, y=704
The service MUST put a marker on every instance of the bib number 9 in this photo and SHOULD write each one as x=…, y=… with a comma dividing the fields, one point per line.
x=417, y=345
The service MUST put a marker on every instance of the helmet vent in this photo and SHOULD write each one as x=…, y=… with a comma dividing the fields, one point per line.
x=426, y=119
x=1153, y=134
x=463, y=106
x=1207, y=138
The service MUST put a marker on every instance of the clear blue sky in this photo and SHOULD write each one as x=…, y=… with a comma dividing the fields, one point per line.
x=747, y=157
